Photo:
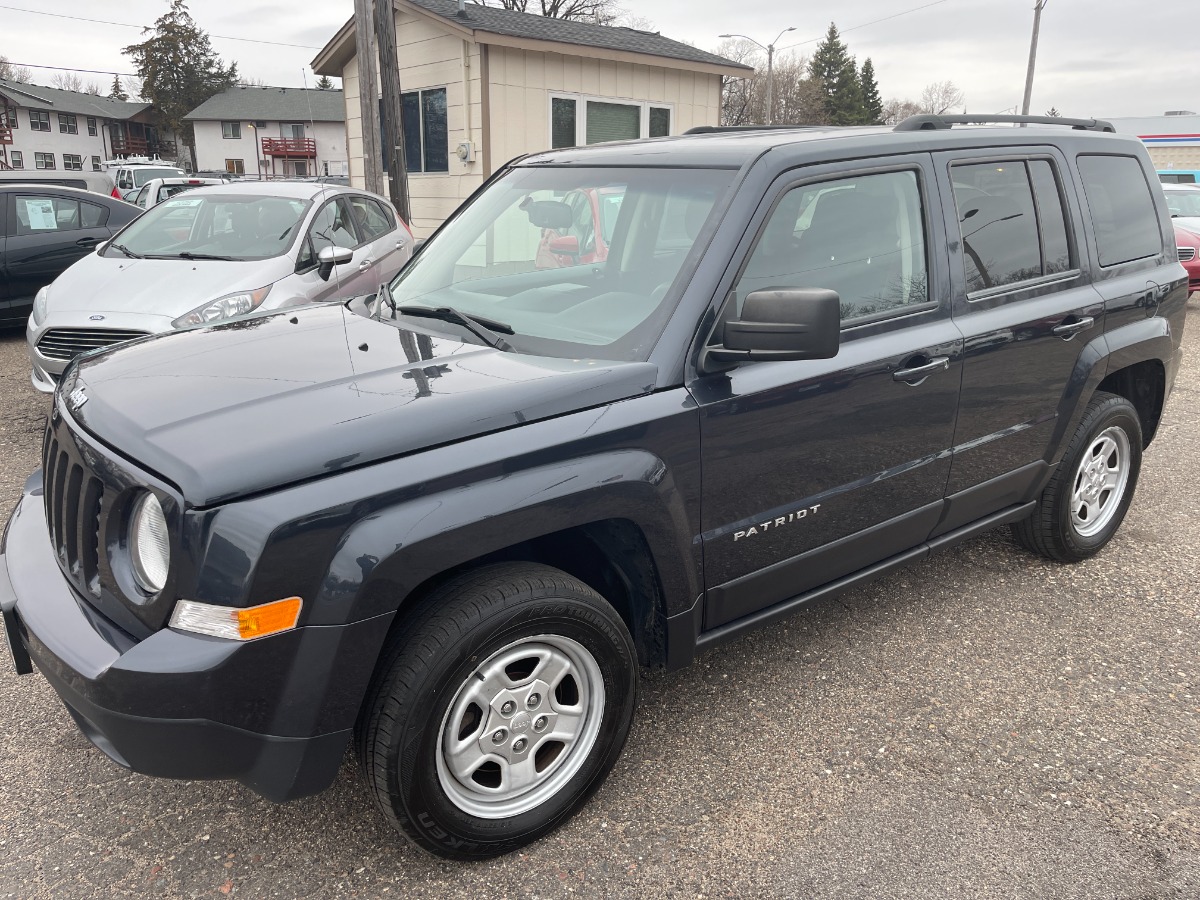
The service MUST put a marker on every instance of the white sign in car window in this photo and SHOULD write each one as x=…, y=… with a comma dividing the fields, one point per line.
x=39, y=213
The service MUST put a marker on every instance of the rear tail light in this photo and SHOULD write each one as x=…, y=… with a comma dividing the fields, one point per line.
x=116, y=193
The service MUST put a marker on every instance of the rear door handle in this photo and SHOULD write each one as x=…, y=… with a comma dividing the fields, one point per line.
x=1068, y=330
x=921, y=372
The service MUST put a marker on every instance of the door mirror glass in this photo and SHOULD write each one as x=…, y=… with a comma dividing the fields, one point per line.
x=782, y=324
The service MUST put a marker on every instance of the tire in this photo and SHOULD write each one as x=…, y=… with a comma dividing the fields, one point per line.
x=1087, y=498
x=437, y=740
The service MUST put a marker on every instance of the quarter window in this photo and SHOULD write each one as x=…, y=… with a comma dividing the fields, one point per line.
x=1056, y=248
x=1123, y=214
x=43, y=160
x=426, y=147
x=39, y=120
x=863, y=237
x=231, y=131
x=67, y=123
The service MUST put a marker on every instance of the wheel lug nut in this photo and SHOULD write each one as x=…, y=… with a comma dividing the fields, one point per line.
x=533, y=701
x=539, y=724
x=519, y=745
x=499, y=736
x=508, y=708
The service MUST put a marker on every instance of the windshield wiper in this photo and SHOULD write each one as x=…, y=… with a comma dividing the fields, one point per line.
x=483, y=328
x=186, y=254
x=126, y=251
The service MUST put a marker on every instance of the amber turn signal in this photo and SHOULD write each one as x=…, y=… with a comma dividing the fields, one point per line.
x=237, y=624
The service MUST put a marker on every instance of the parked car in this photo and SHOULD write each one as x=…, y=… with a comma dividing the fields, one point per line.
x=582, y=238
x=1178, y=176
x=450, y=522
x=1187, y=244
x=156, y=190
x=131, y=176
x=96, y=182
x=1183, y=200
x=44, y=228
x=214, y=253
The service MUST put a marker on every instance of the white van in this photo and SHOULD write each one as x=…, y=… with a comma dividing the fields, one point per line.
x=131, y=175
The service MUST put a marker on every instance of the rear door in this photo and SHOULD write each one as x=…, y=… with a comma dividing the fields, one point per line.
x=377, y=225
x=1027, y=309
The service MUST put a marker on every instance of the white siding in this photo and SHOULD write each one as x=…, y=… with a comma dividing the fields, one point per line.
x=212, y=149
x=27, y=141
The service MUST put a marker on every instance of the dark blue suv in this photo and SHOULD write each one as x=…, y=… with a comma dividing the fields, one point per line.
x=450, y=521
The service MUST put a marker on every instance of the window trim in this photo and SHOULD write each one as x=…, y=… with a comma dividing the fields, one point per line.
x=1141, y=260
x=20, y=164
x=9, y=115
x=36, y=124
x=421, y=131
x=581, y=101
x=236, y=128
x=68, y=123
x=239, y=167
x=45, y=157
x=96, y=167
x=92, y=127
x=69, y=160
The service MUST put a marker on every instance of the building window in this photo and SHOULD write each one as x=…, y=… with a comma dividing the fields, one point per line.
x=39, y=120
x=426, y=147
x=43, y=160
x=67, y=123
x=235, y=167
x=576, y=120
x=231, y=131
x=73, y=162
x=91, y=123
x=17, y=159
x=95, y=164
x=8, y=116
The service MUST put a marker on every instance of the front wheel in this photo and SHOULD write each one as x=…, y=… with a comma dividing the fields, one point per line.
x=497, y=710
x=1087, y=498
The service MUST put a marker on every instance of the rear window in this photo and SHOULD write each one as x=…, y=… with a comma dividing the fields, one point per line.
x=1123, y=214
x=141, y=176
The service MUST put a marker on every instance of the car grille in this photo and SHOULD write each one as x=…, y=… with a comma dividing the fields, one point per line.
x=1186, y=254
x=67, y=343
x=73, y=498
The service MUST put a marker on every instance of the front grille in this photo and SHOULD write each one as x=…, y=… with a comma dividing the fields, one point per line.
x=67, y=343
x=73, y=498
x=1186, y=254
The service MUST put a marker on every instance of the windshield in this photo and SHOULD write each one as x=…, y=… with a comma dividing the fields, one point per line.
x=234, y=226
x=1184, y=203
x=578, y=262
x=141, y=176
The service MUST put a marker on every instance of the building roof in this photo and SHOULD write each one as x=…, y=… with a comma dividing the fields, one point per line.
x=479, y=22
x=1157, y=130
x=275, y=104
x=38, y=97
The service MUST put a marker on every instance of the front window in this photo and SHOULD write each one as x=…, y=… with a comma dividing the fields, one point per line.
x=579, y=262
x=235, y=227
x=1184, y=203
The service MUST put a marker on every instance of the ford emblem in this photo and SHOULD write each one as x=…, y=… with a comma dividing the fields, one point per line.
x=96, y=318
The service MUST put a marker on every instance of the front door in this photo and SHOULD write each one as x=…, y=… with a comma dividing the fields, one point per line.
x=815, y=469
x=334, y=226
x=1027, y=309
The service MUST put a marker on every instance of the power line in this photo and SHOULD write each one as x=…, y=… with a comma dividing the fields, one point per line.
x=865, y=24
x=224, y=37
x=17, y=65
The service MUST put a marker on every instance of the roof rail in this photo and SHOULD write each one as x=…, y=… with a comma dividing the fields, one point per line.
x=941, y=123
x=714, y=129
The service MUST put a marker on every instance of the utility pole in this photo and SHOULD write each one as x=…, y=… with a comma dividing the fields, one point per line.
x=392, y=122
x=770, y=48
x=1039, y=5
x=368, y=103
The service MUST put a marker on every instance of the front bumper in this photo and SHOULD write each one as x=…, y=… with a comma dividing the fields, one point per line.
x=274, y=714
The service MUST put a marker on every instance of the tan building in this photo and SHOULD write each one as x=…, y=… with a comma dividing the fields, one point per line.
x=483, y=85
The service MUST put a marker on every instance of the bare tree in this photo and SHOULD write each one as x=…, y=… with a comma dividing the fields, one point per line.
x=133, y=87
x=66, y=81
x=92, y=88
x=601, y=12
x=245, y=81
x=10, y=73
x=896, y=110
x=940, y=97
x=797, y=97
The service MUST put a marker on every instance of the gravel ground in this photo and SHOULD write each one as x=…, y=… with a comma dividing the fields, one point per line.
x=984, y=724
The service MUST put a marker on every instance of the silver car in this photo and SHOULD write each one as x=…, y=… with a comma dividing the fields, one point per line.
x=215, y=253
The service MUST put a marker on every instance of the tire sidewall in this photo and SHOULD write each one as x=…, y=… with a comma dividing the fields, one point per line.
x=1114, y=411
x=411, y=764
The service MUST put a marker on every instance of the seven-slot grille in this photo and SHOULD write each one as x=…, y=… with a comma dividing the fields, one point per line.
x=67, y=343
x=73, y=499
x=1186, y=254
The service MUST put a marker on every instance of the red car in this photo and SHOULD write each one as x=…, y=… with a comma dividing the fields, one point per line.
x=1188, y=243
x=593, y=217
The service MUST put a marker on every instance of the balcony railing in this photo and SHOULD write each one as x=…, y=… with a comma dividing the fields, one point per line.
x=5, y=134
x=289, y=146
x=140, y=146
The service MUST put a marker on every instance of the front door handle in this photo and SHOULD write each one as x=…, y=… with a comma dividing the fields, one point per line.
x=88, y=242
x=923, y=371
x=366, y=264
x=1068, y=330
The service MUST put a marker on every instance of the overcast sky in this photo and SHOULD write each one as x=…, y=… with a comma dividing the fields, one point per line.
x=1095, y=57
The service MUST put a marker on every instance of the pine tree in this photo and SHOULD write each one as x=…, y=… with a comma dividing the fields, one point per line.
x=833, y=66
x=1054, y=113
x=872, y=102
x=179, y=70
x=325, y=83
x=117, y=92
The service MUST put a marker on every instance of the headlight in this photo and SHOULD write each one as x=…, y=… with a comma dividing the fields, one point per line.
x=223, y=308
x=149, y=544
x=39, y=305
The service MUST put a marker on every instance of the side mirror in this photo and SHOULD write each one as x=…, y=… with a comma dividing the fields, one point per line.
x=567, y=245
x=782, y=324
x=328, y=257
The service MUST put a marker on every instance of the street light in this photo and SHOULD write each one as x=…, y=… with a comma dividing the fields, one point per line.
x=770, y=48
x=257, y=159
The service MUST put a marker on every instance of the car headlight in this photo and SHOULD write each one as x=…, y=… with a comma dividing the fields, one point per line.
x=149, y=544
x=39, y=305
x=237, y=304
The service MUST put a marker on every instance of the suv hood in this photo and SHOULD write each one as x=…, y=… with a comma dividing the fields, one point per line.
x=165, y=287
x=269, y=400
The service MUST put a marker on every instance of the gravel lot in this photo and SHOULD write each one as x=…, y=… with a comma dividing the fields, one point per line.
x=985, y=724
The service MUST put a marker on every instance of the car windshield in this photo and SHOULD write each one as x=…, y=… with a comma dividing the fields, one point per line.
x=141, y=176
x=1184, y=203
x=233, y=226
x=580, y=262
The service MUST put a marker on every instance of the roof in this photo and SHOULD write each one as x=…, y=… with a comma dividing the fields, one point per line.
x=481, y=22
x=301, y=190
x=1161, y=129
x=38, y=97
x=275, y=104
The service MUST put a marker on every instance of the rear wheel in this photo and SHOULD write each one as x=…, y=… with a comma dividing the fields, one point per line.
x=497, y=710
x=1086, y=500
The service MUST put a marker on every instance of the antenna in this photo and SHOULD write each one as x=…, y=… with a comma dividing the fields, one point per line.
x=311, y=123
